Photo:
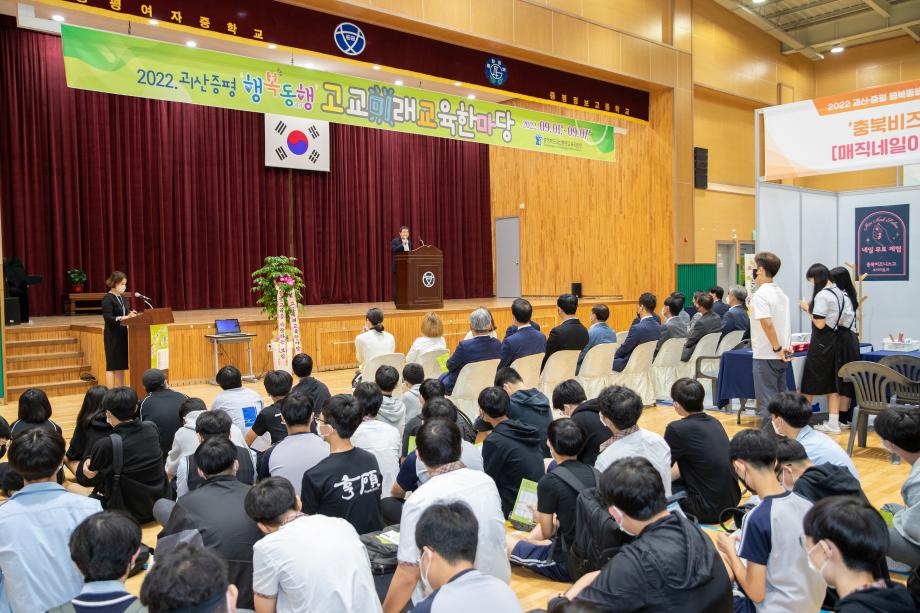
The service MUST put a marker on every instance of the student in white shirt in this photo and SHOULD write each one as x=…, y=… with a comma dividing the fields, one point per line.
x=620, y=411
x=769, y=333
x=374, y=340
x=375, y=435
x=432, y=338
x=306, y=562
x=236, y=400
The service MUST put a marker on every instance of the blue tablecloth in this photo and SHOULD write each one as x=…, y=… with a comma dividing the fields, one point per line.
x=876, y=356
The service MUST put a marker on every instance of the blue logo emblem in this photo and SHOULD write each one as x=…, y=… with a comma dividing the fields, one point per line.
x=539, y=140
x=496, y=71
x=349, y=38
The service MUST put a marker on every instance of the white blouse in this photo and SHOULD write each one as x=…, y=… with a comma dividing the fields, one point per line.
x=423, y=344
x=370, y=344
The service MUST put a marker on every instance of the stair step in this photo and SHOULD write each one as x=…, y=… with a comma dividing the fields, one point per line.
x=16, y=389
x=61, y=355
x=28, y=372
x=42, y=342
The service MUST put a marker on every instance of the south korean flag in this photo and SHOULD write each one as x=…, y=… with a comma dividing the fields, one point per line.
x=296, y=142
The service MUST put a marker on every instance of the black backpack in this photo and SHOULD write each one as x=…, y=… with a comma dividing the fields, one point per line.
x=597, y=536
x=381, y=555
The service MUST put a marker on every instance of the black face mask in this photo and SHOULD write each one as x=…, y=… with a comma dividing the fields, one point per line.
x=755, y=274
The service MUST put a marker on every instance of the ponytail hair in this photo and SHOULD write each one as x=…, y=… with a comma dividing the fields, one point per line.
x=375, y=317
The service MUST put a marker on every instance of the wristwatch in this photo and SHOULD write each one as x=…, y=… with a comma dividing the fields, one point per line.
x=777, y=349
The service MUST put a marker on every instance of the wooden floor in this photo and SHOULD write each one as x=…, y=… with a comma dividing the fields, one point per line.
x=880, y=479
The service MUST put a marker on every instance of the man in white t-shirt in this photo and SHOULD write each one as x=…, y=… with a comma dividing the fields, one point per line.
x=438, y=446
x=769, y=333
x=236, y=400
x=306, y=562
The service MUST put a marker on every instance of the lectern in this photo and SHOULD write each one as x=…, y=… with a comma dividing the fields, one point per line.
x=419, y=279
x=148, y=344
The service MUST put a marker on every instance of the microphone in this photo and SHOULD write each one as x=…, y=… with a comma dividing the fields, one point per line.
x=146, y=300
x=421, y=240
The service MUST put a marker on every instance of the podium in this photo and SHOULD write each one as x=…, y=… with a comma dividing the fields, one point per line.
x=146, y=344
x=419, y=278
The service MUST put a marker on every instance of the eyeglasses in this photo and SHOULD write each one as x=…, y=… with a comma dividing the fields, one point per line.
x=803, y=541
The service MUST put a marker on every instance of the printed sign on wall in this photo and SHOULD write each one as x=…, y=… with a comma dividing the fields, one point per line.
x=881, y=242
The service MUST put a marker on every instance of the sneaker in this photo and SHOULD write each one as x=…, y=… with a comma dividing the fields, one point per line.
x=844, y=425
x=826, y=428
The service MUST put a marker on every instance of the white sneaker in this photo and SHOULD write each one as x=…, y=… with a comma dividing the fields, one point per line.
x=827, y=429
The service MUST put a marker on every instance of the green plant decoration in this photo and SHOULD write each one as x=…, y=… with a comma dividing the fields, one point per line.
x=76, y=276
x=277, y=269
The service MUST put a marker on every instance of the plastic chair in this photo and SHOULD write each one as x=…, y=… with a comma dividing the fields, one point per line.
x=429, y=362
x=707, y=367
x=621, y=336
x=596, y=368
x=638, y=373
x=529, y=369
x=666, y=367
x=705, y=347
x=909, y=366
x=396, y=360
x=473, y=378
x=873, y=384
x=559, y=367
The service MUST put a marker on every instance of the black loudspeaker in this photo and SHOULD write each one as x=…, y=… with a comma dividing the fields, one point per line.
x=700, y=168
x=576, y=289
x=11, y=310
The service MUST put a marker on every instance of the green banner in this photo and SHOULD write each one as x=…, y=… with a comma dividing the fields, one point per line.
x=131, y=66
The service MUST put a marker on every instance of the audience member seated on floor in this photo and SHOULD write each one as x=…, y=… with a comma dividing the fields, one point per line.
x=670, y=566
x=769, y=564
x=571, y=334
x=796, y=472
x=34, y=412
x=529, y=406
x=235, y=400
x=161, y=406
x=213, y=424
x=718, y=307
x=736, y=317
x=373, y=341
x=599, y=333
x=306, y=562
x=569, y=397
x=186, y=440
x=672, y=326
x=36, y=524
x=190, y=578
x=439, y=449
x=302, y=365
x=699, y=446
x=482, y=346
x=790, y=413
x=846, y=539
x=375, y=435
x=544, y=549
x=5, y=437
x=645, y=330
x=216, y=512
x=512, y=451
x=348, y=483
x=278, y=384
x=392, y=410
x=103, y=548
x=708, y=323
x=428, y=390
x=620, y=411
x=900, y=434
x=300, y=450
x=413, y=375
x=522, y=338
x=142, y=480
x=447, y=538
x=91, y=425
x=432, y=338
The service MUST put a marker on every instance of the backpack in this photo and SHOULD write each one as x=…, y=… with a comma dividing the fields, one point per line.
x=382, y=555
x=597, y=536
x=134, y=607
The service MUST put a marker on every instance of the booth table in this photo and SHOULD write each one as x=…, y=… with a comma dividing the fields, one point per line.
x=876, y=356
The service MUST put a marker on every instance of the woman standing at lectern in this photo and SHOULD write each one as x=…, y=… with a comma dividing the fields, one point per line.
x=114, y=309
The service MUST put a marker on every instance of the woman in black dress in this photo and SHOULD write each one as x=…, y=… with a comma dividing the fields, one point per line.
x=114, y=309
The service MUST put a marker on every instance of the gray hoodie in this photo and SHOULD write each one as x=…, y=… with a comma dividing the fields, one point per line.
x=393, y=412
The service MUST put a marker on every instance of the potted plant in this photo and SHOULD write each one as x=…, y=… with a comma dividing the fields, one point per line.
x=77, y=279
x=277, y=270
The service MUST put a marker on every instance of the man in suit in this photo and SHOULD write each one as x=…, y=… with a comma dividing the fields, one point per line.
x=674, y=326
x=599, y=333
x=477, y=349
x=680, y=300
x=399, y=245
x=736, y=317
x=707, y=323
x=571, y=333
x=521, y=338
x=718, y=307
x=642, y=331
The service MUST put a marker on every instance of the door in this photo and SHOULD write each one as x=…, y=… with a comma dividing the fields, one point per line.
x=508, y=257
x=726, y=266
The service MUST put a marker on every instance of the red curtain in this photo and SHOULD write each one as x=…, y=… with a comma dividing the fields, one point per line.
x=177, y=196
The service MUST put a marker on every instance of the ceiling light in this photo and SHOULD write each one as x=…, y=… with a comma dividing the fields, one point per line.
x=153, y=22
x=759, y=1
x=399, y=81
x=376, y=67
x=837, y=49
x=272, y=46
x=57, y=18
x=191, y=43
x=457, y=84
x=471, y=96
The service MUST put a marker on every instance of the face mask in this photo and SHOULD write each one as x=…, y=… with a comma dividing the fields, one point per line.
x=754, y=274
x=424, y=572
x=618, y=516
x=776, y=428
x=319, y=430
x=782, y=480
x=817, y=569
x=743, y=482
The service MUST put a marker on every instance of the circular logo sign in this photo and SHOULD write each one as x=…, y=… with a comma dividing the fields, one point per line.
x=428, y=279
x=297, y=142
x=349, y=38
x=496, y=71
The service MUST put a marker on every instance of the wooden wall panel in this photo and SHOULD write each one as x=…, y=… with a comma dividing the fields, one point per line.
x=606, y=225
x=725, y=125
x=717, y=214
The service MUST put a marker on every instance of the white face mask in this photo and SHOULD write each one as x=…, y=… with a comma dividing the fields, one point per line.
x=776, y=428
x=319, y=430
x=423, y=571
x=618, y=516
x=818, y=569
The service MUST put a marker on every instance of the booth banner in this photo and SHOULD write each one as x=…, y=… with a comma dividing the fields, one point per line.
x=131, y=66
x=882, y=242
x=871, y=128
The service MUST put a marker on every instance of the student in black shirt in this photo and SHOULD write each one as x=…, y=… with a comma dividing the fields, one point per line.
x=161, y=406
x=34, y=412
x=569, y=397
x=302, y=365
x=91, y=426
x=348, y=482
x=699, y=455
x=556, y=498
x=278, y=385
